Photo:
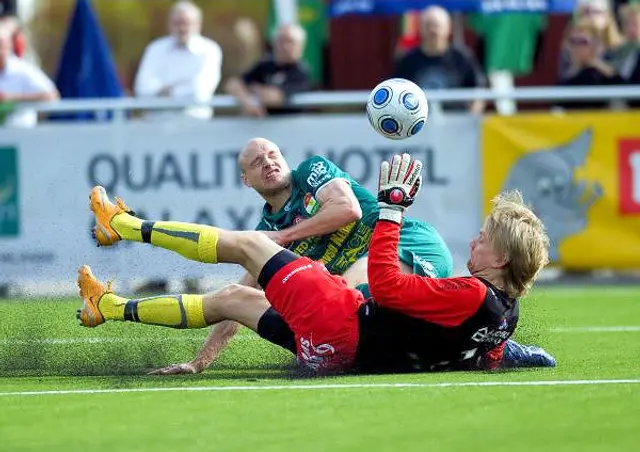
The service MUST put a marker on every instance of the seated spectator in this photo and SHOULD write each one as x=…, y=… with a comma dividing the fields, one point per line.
x=626, y=59
x=184, y=65
x=600, y=12
x=20, y=81
x=267, y=86
x=436, y=64
x=586, y=65
x=629, y=55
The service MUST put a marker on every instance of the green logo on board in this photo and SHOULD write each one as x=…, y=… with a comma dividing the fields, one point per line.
x=9, y=190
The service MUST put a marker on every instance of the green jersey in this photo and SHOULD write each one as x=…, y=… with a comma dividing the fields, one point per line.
x=421, y=247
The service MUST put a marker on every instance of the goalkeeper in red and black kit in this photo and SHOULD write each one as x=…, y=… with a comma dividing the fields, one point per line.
x=409, y=324
x=413, y=323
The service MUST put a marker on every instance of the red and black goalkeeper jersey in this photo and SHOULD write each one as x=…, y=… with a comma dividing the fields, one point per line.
x=414, y=323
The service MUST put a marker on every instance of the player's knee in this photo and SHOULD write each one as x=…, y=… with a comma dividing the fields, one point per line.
x=231, y=291
x=217, y=304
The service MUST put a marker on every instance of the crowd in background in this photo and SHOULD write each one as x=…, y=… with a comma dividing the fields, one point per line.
x=601, y=46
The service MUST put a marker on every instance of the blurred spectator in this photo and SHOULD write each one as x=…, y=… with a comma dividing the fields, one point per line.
x=603, y=17
x=626, y=58
x=18, y=38
x=183, y=65
x=247, y=46
x=436, y=64
x=20, y=81
x=586, y=65
x=508, y=45
x=410, y=33
x=267, y=86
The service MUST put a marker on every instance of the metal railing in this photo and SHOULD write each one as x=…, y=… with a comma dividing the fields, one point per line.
x=350, y=99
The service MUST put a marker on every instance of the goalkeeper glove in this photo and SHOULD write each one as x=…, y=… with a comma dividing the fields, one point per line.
x=398, y=186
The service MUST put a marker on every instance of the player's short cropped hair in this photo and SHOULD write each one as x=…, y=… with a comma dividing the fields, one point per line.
x=517, y=233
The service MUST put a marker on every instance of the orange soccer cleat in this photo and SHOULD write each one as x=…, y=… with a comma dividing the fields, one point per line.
x=104, y=211
x=91, y=290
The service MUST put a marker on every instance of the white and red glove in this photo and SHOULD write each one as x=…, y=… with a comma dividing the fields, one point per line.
x=398, y=186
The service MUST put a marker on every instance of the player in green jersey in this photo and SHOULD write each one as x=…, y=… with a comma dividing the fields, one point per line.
x=317, y=182
x=318, y=211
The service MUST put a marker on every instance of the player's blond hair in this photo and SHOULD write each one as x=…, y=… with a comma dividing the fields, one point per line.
x=518, y=234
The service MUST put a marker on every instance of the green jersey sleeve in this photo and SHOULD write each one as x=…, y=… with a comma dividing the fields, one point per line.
x=316, y=172
x=263, y=226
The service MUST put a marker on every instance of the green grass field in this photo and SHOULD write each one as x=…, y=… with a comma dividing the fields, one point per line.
x=63, y=387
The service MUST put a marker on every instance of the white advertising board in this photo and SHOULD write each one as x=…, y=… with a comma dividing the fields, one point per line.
x=187, y=171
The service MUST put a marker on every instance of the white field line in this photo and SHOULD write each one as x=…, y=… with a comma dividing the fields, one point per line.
x=111, y=340
x=597, y=329
x=322, y=387
x=252, y=337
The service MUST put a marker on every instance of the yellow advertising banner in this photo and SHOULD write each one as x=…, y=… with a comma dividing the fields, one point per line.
x=580, y=173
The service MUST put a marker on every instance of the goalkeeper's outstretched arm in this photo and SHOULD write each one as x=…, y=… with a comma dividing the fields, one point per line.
x=443, y=301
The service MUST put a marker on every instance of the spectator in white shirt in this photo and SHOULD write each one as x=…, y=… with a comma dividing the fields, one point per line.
x=183, y=65
x=21, y=81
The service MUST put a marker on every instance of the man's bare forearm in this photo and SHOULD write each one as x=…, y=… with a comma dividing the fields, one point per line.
x=220, y=335
x=215, y=343
x=338, y=207
x=271, y=96
x=239, y=90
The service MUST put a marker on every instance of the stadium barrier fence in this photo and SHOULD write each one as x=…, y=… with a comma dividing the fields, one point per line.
x=580, y=171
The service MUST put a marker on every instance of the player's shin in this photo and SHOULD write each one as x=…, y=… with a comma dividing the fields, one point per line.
x=174, y=311
x=193, y=241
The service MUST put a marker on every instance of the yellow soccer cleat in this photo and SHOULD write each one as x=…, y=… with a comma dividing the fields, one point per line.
x=104, y=211
x=91, y=290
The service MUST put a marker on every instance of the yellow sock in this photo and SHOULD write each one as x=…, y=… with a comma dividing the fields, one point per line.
x=193, y=241
x=112, y=306
x=174, y=311
x=127, y=226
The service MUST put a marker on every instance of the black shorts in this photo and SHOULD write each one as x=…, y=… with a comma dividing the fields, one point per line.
x=273, y=328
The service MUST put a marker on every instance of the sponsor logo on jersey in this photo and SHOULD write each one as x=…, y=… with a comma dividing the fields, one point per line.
x=485, y=335
x=311, y=206
x=318, y=174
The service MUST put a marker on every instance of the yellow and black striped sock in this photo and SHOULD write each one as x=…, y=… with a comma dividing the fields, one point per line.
x=174, y=311
x=193, y=241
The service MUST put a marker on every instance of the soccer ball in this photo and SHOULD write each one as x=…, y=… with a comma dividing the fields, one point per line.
x=397, y=109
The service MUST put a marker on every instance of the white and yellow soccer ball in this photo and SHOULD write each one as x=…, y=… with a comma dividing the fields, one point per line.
x=397, y=109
